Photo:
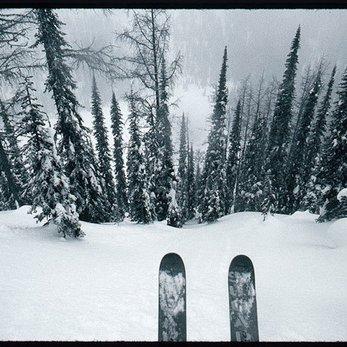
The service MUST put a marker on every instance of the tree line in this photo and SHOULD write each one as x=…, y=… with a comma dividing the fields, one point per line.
x=273, y=153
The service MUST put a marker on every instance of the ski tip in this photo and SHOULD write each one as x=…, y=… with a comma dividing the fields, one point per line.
x=172, y=261
x=241, y=262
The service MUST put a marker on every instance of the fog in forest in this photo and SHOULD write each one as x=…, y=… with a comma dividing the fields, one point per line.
x=257, y=40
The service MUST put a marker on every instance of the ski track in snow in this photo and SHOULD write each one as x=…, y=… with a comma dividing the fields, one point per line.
x=105, y=286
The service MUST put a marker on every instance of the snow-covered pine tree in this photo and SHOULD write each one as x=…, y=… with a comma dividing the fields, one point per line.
x=306, y=84
x=164, y=171
x=213, y=202
x=14, y=154
x=314, y=151
x=280, y=132
x=103, y=152
x=174, y=214
x=10, y=189
x=151, y=150
x=252, y=180
x=5, y=204
x=182, y=187
x=140, y=208
x=191, y=194
x=333, y=174
x=149, y=40
x=48, y=185
x=117, y=131
x=198, y=192
x=234, y=148
x=74, y=147
x=295, y=180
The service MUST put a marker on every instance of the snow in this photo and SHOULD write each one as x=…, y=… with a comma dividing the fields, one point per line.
x=105, y=286
x=342, y=194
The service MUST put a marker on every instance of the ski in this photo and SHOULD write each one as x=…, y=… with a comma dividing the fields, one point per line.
x=242, y=300
x=172, y=299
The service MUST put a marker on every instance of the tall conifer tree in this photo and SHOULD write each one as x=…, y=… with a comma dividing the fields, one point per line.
x=314, y=150
x=103, y=151
x=164, y=171
x=182, y=187
x=140, y=208
x=252, y=180
x=280, y=132
x=14, y=154
x=10, y=189
x=333, y=174
x=198, y=192
x=191, y=195
x=234, y=149
x=213, y=202
x=295, y=180
x=174, y=215
x=48, y=185
x=117, y=131
x=74, y=147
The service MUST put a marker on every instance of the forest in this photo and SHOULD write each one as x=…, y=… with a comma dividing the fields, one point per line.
x=275, y=146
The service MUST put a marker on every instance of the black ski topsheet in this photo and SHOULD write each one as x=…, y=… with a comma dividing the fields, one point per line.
x=242, y=300
x=172, y=299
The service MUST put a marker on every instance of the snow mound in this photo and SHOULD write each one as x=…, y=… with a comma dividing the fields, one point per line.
x=105, y=286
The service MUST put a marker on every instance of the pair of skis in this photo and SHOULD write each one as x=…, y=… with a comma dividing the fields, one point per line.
x=172, y=300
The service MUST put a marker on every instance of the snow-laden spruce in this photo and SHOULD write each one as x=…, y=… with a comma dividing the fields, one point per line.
x=296, y=167
x=117, y=132
x=213, y=202
x=74, y=145
x=103, y=152
x=140, y=207
x=279, y=136
x=52, y=200
x=333, y=173
x=313, y=157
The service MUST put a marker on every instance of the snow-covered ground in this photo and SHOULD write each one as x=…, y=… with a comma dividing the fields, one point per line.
x=105, y=287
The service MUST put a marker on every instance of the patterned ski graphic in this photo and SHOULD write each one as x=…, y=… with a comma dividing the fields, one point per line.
x=242, y=300
x=172, y=299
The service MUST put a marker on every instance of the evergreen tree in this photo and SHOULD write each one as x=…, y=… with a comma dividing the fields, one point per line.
x=164, y=171
x=198, y=192
x=14, y=154
x=10, y=189
x=234, y=148
x=333, y=174
x=149, y=38
x=74, y=147
x=306, y=84
x=5, y=202
x=191, y=195
x=139, y=201
x=213, y=202
x=314, y=150
x=48, y=185
x=252, y=180
x=117, y=131
x=151, y=149
x=174, y=216
x=280, y=131
x=295, y=180
x=103, y=151
x=182, y=187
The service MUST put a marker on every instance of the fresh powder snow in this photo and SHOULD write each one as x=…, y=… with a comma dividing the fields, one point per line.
x=105, y=286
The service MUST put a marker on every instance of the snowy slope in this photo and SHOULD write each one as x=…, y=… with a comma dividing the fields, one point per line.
x=105, y=286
